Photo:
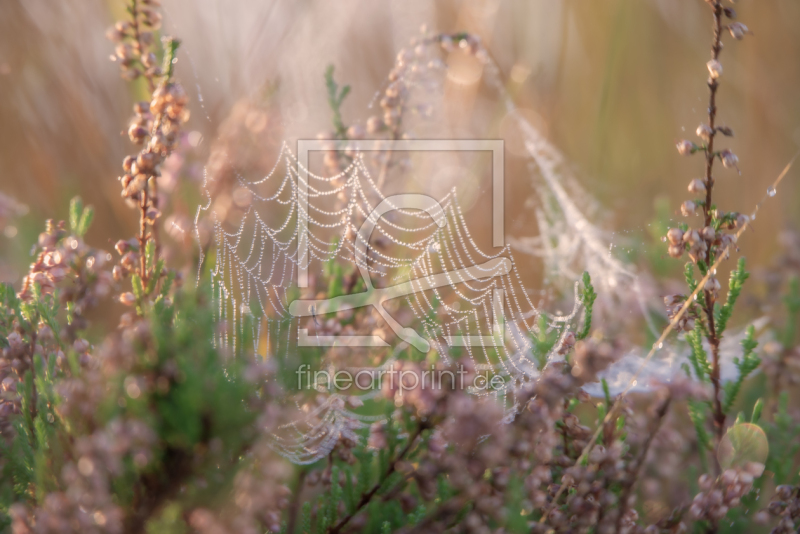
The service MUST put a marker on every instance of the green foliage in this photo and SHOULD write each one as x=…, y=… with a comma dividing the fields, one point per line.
x=588, y=296
x=792, y=302
x=746, y=365
x=80, y=218
x=543, y=341
x=723, y=314
x=697, y=415
x=783, y=443
x=697, y=354
x=335, y=98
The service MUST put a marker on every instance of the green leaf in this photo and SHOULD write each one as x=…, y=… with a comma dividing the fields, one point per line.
x=699, y=421
x=738, y=277
x=757, y=409
x=749, y=363
x=149, y=254
x=155, y=276
x=85, y=221
x=587, y=298
x=697, y=355
x=75, y=212
x=138, y=288
x=606, y=392
x=335, y=99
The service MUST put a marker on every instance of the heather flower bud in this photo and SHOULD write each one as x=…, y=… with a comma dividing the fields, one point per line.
x=152, y=215
x=738, y=30
x=784, y=492
x=567, y=343
x=122, y=247
x=447, y=43
x=137, y=133
x=691, y=237
x=146, y=162
x=675, y=236
x=675, y=251
x=712, y=285
x=127, y=298
x=741, y=220
x=708, y=233
x=704, y=132
x=124, y=52
x=688, y=208
x=729, y=159
x=146, y=38
x=355, y=132
x=127, y=162
x=697, y=186
x=149, y=60
x=686, y=147
x=114, y=35
x=714, y=68
x=724, y=130
x=140, y=108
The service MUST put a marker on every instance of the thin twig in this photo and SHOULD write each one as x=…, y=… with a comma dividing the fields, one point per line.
x=713, y=339
x=630, y=484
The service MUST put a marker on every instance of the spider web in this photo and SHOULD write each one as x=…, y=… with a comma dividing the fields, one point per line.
x=256, y=260
x=254, y=279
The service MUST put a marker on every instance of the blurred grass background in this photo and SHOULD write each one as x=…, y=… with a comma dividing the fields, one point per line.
x=613, y=83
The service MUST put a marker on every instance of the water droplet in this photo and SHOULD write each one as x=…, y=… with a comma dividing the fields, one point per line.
x=771, y=191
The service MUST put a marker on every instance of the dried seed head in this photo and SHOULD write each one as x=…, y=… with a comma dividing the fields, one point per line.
x=714, y=69
x=686, y=147
x=697, y=186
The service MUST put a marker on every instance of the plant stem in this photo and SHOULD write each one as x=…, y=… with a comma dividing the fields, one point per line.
x=713, y=339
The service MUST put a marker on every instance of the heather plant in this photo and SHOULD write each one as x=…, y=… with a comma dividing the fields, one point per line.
x=176, y=421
